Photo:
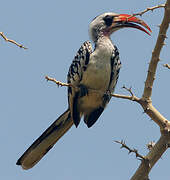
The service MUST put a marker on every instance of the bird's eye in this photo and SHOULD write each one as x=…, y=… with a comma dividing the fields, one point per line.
x=108, y=20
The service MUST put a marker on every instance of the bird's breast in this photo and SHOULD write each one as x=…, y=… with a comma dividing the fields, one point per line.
x=97, y=74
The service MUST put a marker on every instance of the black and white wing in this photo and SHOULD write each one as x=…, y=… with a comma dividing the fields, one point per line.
x=75, y=75
x=115, y=68
x=79, y=64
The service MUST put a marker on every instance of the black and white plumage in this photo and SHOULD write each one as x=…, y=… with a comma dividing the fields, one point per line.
x=95, y=73
x=96, y=80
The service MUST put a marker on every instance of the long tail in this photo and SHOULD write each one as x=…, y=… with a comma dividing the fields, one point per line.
x=46, y=141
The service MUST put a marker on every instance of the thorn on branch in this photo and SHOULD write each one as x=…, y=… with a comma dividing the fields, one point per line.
x=11, y=41
x=138, y=156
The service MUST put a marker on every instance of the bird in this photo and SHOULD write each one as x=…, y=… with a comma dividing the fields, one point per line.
x=94, y=74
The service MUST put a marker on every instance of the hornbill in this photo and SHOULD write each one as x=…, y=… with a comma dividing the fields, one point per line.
x=95, y=74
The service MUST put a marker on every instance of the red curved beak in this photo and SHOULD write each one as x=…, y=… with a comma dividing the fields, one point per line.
x=126, y=20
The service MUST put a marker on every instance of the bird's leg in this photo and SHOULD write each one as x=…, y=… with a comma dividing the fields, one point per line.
x=83, y=91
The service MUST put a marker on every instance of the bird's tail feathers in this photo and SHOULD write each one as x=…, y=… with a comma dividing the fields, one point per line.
x=46, y=141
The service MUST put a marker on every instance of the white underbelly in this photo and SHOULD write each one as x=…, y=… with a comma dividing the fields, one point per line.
x=97, y=76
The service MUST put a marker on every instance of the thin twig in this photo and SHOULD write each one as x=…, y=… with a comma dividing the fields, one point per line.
x=147, y=9
x=11, y=41
x=138, y=156
x=59, y=83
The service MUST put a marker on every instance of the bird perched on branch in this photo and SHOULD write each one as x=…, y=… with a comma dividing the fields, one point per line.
x=95, y=74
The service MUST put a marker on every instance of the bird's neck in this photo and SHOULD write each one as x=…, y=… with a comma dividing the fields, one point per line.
x=104, y=43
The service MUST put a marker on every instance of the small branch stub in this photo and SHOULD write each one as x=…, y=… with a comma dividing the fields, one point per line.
x=150, y=145
x=167, y=65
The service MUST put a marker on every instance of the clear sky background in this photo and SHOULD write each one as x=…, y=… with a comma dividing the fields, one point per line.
x=53, y=31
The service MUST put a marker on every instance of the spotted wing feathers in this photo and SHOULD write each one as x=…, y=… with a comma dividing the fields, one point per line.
x=115, y=68
x=79, y=63
x=75, y=75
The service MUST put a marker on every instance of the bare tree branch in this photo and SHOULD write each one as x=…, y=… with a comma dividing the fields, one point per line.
x=153, y=156
x=59, y=83
x=161, y=146
x=11, y=41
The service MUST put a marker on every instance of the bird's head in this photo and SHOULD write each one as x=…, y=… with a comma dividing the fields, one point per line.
x=107, y=23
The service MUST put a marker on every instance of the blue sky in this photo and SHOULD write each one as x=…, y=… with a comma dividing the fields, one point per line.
x=53, y=31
